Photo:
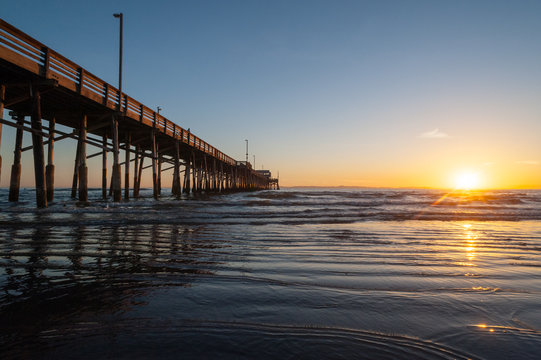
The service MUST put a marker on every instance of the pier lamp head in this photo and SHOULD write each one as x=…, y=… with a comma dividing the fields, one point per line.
x=117, y=15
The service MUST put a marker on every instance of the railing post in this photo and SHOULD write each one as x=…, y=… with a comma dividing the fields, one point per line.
x=81, y=72
x=46, y=62
x=105, y=94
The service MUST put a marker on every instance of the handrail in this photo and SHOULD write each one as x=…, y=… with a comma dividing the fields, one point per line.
x=30, y=54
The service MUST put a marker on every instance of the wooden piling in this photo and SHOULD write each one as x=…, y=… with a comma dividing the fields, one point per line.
x=194, y=171
x=2, y=99
x=175, y=188
x=198, y=178
x=138, y=187
x=75, y=179
x=159, y=180
x=136, y=169
x=187, y=175
x=221, y=176
x=154, y=165
x=49, y=170
x=116, y=181
x=214, y=176
x=83, y=169
x=127, y=168
x=15, y=180
x=37, y=147
x=104, y=168
x=207, y=175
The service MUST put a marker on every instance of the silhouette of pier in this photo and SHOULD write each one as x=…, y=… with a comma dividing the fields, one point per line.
x=38, y=83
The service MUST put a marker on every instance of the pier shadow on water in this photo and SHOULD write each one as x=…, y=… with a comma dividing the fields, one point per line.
x=53, y=276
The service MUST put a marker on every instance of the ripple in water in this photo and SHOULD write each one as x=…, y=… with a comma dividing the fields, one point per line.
x=292, y=274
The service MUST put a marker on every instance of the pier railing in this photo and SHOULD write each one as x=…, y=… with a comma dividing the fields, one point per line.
x=30, y=54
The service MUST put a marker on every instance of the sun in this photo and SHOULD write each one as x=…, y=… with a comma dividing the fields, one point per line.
x=467, y=180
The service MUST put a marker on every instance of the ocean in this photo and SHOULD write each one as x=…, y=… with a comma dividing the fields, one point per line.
x=298, y=273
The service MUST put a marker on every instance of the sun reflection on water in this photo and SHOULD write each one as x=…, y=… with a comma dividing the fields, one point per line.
x=470, y=237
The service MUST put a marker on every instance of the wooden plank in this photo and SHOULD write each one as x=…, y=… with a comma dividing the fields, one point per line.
x=29, y=54
x=19, y=60
x=29, y=46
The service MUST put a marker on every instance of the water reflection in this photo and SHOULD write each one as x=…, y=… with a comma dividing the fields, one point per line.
x=52, y=273
x=470, y=237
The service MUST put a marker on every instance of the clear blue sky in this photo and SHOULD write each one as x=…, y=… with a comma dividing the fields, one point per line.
x=328, y=92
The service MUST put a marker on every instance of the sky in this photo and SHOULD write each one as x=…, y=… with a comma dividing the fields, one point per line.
x=328, y=93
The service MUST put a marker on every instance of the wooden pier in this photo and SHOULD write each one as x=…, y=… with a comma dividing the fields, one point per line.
x=37, y=84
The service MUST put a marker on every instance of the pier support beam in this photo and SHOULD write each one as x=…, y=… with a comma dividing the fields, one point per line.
x=136, y=170
x=75, y=180
x=2, y=99
x=138, y=187
x=37, y=147
x=221, y=176
x=175, y=188
x=83, y=169
x=104, y=168
x=154, y=165
x=194, y=170
x=159, y=179
x=49, y=170
x=214, y=176
x=127, y=168
x=15, y=180
x=116, y=182
x=187, y=174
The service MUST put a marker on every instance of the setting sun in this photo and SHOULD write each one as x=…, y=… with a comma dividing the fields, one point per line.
x=467, y=180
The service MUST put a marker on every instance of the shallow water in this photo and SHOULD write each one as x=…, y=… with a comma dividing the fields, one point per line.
x=302, y=273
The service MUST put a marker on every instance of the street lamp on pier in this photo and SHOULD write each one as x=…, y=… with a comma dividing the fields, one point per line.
x=121, y=17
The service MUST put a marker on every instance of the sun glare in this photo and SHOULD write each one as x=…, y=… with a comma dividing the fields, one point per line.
x=467, y=181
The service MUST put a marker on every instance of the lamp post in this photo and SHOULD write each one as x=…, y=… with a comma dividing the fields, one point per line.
x=159, y=108
x=246, y=152
x=254, y=163
x=120, y=16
